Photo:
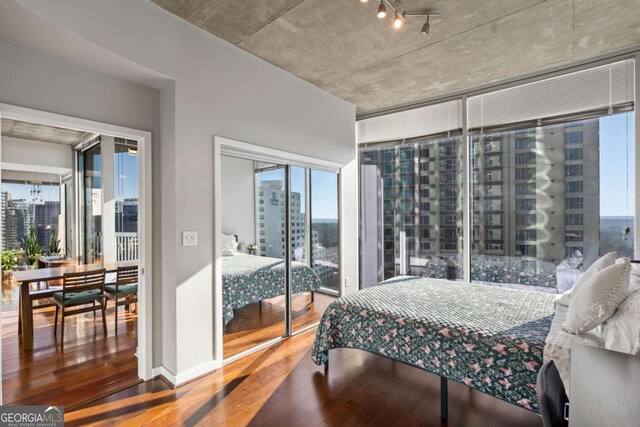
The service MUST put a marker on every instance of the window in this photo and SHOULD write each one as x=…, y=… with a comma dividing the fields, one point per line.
x=492, y=205
x=573, y=187
x=527, y=189
x=537, y=192
x=573, y=170
x=526, y=235
x=573, y=137
x=493, y=161
x=573, y=203
x=525, y=173
x=526, y=250
x=526, y=204
x=406, y=154
x=525, y=220
x=406, y=168
x=525, y=158
x=525, y=143
x=574, y=235
x=573, y=219
x=573, y=154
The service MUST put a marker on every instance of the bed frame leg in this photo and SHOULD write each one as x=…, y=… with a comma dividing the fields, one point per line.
x=326, y=366
x=260, y=307
x=444, y=399
x=313, y=296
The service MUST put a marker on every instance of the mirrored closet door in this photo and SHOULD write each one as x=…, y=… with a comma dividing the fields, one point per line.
x=280, y=257
x=253, y=253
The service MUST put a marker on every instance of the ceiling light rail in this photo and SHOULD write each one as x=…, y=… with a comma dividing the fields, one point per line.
x=399, y=17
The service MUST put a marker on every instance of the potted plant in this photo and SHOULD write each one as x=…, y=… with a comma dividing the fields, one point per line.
x=252, y=248
x=32, y=248
x=9, y=263
x=54, y=244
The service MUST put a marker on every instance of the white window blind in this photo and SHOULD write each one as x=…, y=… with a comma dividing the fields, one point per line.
x=429, y=120
x=602, y=87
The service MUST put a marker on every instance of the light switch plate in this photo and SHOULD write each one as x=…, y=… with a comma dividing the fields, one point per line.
x=189, y=238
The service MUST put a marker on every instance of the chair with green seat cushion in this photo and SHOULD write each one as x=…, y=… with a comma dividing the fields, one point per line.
x=125, y=289
x=78, y=291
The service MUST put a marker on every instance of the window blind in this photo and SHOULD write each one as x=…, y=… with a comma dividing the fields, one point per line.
x=423, y=121
x=600, y=88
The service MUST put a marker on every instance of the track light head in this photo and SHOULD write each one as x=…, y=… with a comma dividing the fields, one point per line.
x=397, y=21
x=425, y=28
x=382, y=10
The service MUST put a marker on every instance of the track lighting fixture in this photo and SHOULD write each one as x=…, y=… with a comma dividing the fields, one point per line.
x=426, y=27
x=399, y=17
x=397, y=21
x=382, y=10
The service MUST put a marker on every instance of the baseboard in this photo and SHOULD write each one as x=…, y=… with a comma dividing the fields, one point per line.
x=188, y=376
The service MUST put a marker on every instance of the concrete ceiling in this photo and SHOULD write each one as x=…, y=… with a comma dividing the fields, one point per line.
x=37, y=132
x=342, y=47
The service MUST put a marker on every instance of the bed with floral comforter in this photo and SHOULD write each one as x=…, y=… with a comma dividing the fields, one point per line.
x=488, y=338
x=247, y=279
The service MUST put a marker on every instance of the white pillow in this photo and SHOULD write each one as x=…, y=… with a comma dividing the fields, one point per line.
x=634, y=282
x=599, y=264
x=621, y=332
x=229, y=245
x=598, y=297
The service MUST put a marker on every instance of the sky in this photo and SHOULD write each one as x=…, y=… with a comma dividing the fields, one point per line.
x=616, y=165
x=324, y=190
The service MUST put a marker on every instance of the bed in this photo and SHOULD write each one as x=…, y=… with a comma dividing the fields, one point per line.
x=248, y=279
x=489, y=338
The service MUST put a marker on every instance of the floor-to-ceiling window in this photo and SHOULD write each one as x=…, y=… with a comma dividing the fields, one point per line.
x=29, y=209
x=126, y=198
x=550, y=169
x=90, y=162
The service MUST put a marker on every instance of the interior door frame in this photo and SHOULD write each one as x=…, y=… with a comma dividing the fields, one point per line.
x=229, y=147
x=144, y=138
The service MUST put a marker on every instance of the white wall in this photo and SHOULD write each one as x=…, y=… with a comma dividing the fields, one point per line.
x=219, y=90
x=238, y=199
x=36, y=80
x=24, y=154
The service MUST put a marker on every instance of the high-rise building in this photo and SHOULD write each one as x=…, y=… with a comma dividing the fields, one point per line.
x=526, y=212
x=9, y=223
x=271, y=236
x=46, y=220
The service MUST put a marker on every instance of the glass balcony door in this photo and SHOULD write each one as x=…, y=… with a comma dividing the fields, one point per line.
x=90, y=162
x=315, y=270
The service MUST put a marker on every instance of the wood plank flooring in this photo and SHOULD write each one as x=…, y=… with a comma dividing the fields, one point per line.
x=280, y=386
x=90, y=366
x=252, y=326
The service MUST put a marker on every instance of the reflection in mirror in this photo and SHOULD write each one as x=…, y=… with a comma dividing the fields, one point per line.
x=253, y=267
x=254, y=233
x=314, y=232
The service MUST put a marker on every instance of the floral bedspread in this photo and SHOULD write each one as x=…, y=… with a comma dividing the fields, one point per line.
x=247, y=279
x=488, y=338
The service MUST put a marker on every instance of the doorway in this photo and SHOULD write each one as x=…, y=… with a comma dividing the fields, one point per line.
x=38, y=358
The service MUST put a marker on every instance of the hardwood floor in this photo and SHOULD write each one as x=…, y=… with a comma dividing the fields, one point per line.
x=89, y=367
x=252, y=326
x=280, y=386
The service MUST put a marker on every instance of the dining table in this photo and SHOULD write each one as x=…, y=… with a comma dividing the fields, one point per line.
x=26, y=277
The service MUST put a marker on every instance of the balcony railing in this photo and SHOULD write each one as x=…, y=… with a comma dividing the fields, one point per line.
x=126, y=246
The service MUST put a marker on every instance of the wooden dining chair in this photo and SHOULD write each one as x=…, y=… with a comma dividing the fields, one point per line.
x=125, y=290
x=80, y=293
